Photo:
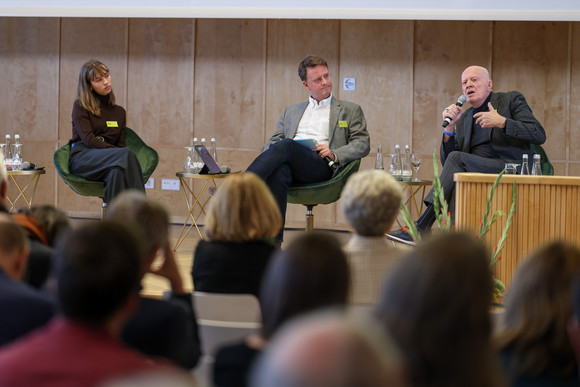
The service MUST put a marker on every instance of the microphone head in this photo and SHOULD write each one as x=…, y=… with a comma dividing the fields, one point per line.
x=461, y=100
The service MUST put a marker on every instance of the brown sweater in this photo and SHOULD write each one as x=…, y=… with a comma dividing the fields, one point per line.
x=110, y=125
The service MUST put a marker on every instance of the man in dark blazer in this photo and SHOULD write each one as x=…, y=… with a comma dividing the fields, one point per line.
x=498, y=128
x=22, y=308
x=339, y=128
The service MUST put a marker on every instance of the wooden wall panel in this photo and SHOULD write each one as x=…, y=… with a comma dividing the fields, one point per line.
x=29, y=63
x=573, y=126
x=532, y=58
x=383, y=68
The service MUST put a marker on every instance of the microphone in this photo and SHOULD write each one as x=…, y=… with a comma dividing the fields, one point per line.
x=331, y=164
x=26, y=165
x=460, y=101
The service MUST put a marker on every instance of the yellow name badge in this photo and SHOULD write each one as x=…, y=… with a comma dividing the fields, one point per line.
x=114, y=124
x=343, y=124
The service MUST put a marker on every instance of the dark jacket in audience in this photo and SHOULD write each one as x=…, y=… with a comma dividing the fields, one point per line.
x=230, y=267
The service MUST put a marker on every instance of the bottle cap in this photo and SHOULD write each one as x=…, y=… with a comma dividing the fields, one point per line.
x=525, y=155
x=212, y=139
x=203, y=139
x=536, y=156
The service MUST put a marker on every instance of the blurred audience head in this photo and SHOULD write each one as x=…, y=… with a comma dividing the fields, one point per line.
x=537, y=310
x=98, y=268
x=3, y=180
x=242, y=209
x=13, y=248
x=148, y=218
x=54, y=222
x=371, y=201
x=329, y=350
x=435, y=303
x=311, y=273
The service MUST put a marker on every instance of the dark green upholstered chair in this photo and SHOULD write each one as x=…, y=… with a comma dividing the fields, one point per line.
x=147, y=156
x=547, y=167
x=325, y=192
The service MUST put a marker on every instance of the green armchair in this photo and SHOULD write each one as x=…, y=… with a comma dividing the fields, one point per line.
x=547, y=167
x=147, y=156
x=325, y=192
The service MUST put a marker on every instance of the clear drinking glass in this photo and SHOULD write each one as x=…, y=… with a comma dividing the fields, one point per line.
x=511, y=168
x=416, y=163
x=189, y=165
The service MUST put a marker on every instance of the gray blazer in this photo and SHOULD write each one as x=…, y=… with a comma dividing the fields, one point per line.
x=347, y=132
x=522, y=129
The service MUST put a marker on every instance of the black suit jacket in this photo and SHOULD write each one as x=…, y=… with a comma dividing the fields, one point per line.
x=522, y=129
x=22, y=309
x=166, y=329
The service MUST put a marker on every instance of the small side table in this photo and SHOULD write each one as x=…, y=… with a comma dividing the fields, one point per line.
x=413, y=188
x=210, y=181
x=26, y=187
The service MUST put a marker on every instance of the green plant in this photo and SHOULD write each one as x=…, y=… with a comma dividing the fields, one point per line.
x=443, y=220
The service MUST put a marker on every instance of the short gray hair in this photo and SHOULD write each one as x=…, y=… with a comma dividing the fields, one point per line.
x=330, y=349
x=371, y=201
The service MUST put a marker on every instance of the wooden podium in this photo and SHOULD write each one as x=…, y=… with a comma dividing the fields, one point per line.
x=547, y=209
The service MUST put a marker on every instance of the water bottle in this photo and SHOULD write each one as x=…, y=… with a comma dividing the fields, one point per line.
x=397, y=173
x=537, y=168
x=213, y=149
x=17, y=154
x=525, y=166
x=379, y=161
x=407, y=171
x=8, y=152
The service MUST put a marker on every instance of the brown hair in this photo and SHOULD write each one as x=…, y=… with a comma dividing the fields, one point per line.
x=435, y=304
x=242, y=209
x=537, y=310
x=309, y=61
x=311, y=273
x=84, y=92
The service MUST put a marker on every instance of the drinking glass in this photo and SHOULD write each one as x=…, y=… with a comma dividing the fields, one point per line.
x=511, y=168
x=416, y=163
x=189, y=165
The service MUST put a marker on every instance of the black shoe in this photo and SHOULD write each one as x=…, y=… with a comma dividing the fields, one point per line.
x=401, y=236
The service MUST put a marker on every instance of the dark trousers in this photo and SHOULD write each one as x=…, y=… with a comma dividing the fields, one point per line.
x=118, y=168
x=287, y=162
x=462, y=162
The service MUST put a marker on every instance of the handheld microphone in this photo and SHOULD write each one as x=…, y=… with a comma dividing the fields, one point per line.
x=460, y=101
x=331, y=164
x=26, y=165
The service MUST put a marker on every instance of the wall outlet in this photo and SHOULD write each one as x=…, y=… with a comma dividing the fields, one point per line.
x=170, y=184
x=150, y=183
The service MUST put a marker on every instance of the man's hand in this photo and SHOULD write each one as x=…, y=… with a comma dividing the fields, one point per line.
x=490, y=119
x=169, y=270
x=453, y=112
x=323, y=150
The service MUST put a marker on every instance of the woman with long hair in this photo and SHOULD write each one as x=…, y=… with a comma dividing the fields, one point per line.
x=98, y=150
x=533, y=341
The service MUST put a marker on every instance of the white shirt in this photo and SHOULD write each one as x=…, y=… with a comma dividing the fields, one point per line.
x=315, y=121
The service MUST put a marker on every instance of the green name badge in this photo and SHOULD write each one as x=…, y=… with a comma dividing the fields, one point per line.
x=343, y=124
x=114, y=124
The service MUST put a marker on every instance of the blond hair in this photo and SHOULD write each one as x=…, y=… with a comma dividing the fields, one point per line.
x=84, y=91
x=242, y=209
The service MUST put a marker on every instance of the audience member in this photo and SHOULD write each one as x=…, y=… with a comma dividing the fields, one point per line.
x=23, y=308
x=42, y=224
x=311, y=273
x=574, y=322
x=534, y=344
x=98, y=269
x=371, y=201
x=160, y=328
x=338, y=128
x=241, y=221
x=435, y=304
x=326, y=350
